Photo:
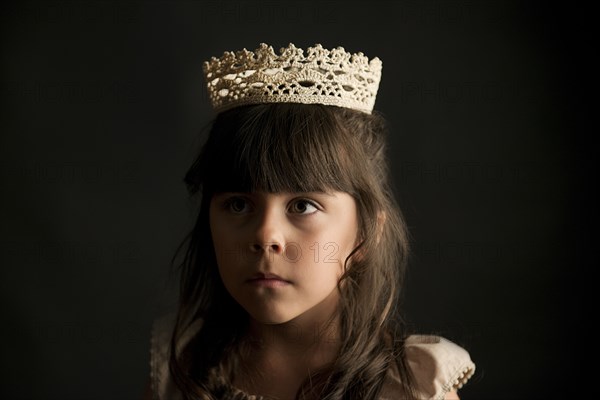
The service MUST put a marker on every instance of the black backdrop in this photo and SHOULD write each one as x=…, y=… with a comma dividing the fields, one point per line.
x=102, y=104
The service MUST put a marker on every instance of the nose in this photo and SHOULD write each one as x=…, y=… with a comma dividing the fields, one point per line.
x=272, y=247
x=268, y=233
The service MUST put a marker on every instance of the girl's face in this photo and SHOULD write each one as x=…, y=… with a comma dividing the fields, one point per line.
x=280, y=255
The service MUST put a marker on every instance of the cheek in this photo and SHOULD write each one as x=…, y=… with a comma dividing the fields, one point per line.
x=227, y=252
x=333, y=240
x=325, y=254
x=346, y=239
x=219, y=238
x=347, y=242
x=221, y=242
x=220, y=229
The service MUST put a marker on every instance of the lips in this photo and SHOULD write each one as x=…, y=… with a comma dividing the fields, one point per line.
x=267, y=276
x=267, y=279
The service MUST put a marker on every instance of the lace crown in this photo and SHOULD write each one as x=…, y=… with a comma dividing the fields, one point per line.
x=330, y=77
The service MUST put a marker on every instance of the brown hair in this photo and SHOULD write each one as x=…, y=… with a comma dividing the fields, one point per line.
x=299, y=148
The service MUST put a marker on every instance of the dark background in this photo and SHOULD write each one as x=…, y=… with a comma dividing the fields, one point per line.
x=102, y=104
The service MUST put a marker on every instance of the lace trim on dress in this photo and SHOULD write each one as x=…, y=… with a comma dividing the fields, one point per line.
x=439, y=366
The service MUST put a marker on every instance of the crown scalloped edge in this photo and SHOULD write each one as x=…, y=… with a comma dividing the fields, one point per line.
x=331, y=77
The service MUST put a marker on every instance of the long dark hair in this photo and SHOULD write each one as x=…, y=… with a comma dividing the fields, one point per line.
x=298, y=148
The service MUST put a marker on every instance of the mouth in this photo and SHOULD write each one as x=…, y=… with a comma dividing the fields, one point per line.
x=267, y=279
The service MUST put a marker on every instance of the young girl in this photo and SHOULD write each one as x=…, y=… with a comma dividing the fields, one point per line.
x=291, y=282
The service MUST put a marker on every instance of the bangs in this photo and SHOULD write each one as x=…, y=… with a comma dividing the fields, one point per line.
x=278, y=148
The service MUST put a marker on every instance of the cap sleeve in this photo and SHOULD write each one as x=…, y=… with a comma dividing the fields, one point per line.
x=163, y=387
x=438, y=365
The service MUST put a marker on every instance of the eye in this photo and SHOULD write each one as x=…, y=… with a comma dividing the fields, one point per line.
x=304, y=206
x=237, y=205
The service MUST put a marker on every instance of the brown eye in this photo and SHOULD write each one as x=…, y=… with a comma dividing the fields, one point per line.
x=304, y=207
x=237, y=205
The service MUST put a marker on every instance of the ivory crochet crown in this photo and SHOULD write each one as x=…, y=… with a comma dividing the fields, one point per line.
x=331, y=77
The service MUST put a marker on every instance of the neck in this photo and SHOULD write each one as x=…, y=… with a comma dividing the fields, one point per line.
x=317, y=331
x=280, y=356
x=295, y=335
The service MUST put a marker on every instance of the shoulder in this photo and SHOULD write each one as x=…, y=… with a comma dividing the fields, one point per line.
x=437, y=363
x=439, y=366
x=160, y=352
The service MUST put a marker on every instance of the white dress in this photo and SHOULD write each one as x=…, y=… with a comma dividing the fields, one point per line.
x=438, y=365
